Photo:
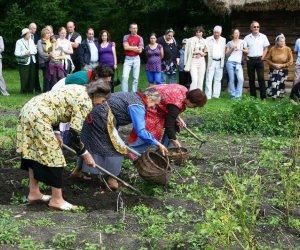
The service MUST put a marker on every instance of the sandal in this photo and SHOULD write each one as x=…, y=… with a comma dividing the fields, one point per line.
x=66, y=206
x=44, y=198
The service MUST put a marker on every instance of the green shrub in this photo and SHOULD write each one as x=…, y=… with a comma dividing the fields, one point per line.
x=253, y=116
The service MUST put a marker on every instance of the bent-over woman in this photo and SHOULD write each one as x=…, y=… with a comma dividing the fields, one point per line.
x=97, y=133
x=39, y=142
x=175, y=99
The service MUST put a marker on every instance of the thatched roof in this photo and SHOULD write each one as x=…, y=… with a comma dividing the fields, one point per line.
x=227, y=6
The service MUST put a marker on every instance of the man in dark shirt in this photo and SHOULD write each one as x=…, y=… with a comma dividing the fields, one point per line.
x=33, y=28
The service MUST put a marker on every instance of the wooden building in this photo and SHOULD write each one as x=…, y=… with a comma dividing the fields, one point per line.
x=274, y=17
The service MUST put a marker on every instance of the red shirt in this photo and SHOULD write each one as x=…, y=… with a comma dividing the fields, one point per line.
x=133, y=41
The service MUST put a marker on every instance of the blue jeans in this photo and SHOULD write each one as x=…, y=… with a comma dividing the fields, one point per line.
x=235, y=68
x=153, y=76
x=166, y=78
x=139, y=145
x=133, y=62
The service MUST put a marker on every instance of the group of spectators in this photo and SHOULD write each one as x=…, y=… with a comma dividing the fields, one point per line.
x=164, y=54
x=200, y=61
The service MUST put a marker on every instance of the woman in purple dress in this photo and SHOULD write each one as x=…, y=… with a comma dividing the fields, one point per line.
x=155, y=53
x=107, y=51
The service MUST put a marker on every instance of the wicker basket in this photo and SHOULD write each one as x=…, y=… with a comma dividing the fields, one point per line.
x=153, y=167
x=178, y=155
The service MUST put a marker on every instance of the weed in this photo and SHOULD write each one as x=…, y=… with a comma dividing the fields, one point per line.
x=65, y=241
x=43, y=186
x=79, y=188
x=178, y=214
x=294, y=223
x=18, y=199
x=91, y=246
x=45, y=222
x=274, y=221
x=112, y=229
x=9, y=232
x=235, y=213
x=287, y=172
x=28, y=243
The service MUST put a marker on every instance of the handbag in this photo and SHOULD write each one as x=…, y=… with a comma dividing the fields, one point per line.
x=116, y=81
x=22, y=59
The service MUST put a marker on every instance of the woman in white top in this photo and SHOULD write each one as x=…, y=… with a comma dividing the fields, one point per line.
x=234, y=50
x=63, y=42
x=194, y=58
x=25, y=48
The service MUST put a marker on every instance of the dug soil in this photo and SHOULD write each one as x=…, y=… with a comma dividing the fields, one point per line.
x=104, y=210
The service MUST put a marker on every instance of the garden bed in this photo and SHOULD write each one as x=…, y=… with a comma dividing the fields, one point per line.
x=186, y=214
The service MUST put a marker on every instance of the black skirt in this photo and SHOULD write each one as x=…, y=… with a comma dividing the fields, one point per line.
x=51, y=176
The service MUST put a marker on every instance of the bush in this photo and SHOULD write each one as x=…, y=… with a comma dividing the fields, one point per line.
x=253, y=116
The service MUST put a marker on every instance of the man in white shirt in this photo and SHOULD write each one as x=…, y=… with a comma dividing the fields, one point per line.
x=216, y=57
x=88, y=51
x=257, y=49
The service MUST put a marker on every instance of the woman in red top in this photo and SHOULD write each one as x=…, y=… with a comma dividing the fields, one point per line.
x=175, y=99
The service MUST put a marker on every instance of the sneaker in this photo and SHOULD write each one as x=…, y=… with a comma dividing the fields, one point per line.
x=5, y=93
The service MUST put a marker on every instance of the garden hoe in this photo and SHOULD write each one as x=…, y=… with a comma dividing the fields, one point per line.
x=108, y=173
x=194, y=135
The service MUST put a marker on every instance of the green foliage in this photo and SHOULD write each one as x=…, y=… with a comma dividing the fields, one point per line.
x=7, y=132
x=27, y=242
x=113, y=229
x=25, y=183
x=45, y=222
x=91, y=246
x=253, y=116
x=235, y=212
x=65, y=241
x=18, y=199
x=10, y=232
x=286, y=170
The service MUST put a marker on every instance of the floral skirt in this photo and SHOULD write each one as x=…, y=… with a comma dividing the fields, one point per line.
x=276, y=85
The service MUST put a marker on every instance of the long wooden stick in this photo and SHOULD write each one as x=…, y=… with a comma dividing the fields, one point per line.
x=133, y=151
x=193, y=134
x=108, y=173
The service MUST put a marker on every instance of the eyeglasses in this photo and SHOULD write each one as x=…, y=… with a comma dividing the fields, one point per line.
x=170, y=30
x=256, y=27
